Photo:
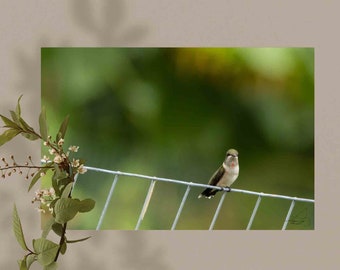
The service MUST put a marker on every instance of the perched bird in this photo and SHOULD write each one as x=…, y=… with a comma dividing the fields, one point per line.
x=225, y=175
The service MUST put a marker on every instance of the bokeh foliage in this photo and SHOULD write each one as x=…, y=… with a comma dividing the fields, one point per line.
x=173, y=112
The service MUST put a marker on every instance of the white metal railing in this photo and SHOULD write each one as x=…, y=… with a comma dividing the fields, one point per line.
x=154, y=179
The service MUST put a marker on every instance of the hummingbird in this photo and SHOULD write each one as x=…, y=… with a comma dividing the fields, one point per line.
x=226, y=174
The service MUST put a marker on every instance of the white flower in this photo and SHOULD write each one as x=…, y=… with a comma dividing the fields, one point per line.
x=61, y=142
x=81, y=169
x=40, y=210
x=45, y=158
x=52, y=191
x=73, y=148
x=52, y=151
x=58, y=159
x=38, y=193
x=45, y=197
x=75, y=163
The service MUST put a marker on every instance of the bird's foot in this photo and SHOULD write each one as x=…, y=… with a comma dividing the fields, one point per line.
x=227, y=189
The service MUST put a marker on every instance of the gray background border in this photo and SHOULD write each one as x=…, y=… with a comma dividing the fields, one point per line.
x=25, y=26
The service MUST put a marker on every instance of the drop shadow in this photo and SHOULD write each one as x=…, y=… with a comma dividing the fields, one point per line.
x=109, y=26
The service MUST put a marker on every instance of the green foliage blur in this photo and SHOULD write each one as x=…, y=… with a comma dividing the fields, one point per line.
x=173, y=113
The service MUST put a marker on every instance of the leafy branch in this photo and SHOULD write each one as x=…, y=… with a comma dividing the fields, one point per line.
x=57, y=199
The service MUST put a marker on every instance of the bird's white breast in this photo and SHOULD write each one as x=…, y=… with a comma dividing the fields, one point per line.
x=230, y=175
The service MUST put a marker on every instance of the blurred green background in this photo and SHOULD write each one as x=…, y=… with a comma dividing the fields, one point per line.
x=173, y=113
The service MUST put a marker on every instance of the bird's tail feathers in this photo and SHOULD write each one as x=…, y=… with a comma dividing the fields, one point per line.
x=208, y=193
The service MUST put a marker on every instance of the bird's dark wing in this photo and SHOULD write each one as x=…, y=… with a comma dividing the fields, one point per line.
x=216, y=176
x=208, y=192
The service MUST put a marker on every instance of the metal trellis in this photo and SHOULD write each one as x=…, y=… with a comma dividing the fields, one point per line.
x=154, y=180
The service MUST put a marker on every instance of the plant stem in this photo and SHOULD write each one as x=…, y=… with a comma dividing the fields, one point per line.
x=24, y=166
x=63, y=238
x=61, y=242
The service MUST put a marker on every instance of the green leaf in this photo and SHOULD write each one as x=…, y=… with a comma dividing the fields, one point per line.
x=27, y=261
x=47, y=227
x=17, y=228
x=64, y=181
x=63, y=248
x=34, y=179
x=56, y=187
x=46, y=250
x=57, y=228
x=31, y=258
x=22, y=264
x=9, y=123
x=62, y=130
x=58, y=174
x=15, y=117
x=18, y=109
x=86, y=205
x=78, y=240
x=8, y=135
x=67, y=190
x=65, y=209
x=28, y=132
x=43, y=124
x=25, y=126
x=52, y=204
x=52, y=266
x=37, y=177
x=30, y=136
x=57, y=171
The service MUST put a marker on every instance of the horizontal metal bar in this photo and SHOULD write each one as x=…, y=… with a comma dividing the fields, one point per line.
x=198, y=185
x=272, y=195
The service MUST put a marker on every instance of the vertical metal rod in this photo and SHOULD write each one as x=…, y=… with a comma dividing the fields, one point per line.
x=254, y=212
x=108, y=199
x=75, y=180
x=180, y=208
x=217, y=211
x=146, y=204
x=288, y=215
